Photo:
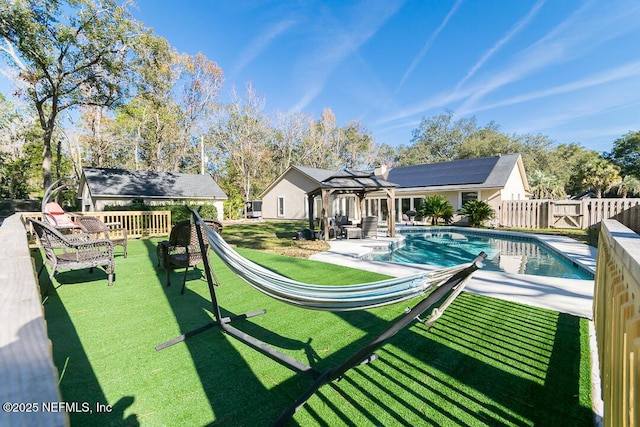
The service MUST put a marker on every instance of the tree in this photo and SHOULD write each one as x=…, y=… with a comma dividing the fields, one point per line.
x=437, y=138
x=477, y=212
x=201, y=80
x=67, y=53
x=357, y=150
x=486, y=142
x=436, y=207
x=291, y=130
x=545, y=186
x=240, y=139
x=629, y=185
x=564, y=162
x=323, y=144
x=626, y=154
x=597, y=173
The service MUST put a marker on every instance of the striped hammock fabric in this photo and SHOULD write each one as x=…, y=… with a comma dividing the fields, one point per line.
x=326, y=297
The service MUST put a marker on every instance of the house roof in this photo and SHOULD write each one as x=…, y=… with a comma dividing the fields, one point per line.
x=314, y=174
x=487, y=172
x=128, y=183
x=317, y=174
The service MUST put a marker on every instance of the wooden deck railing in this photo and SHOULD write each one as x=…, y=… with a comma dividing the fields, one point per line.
x=28, y=377
x=617, y=321
x=137, y=223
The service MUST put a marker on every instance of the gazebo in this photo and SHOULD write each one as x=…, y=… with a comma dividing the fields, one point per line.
x=358, y=183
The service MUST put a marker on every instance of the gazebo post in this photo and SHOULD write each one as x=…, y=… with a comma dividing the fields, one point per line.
x=391, y=216
x=363, y=208
x=311, y=198
x=325, y=213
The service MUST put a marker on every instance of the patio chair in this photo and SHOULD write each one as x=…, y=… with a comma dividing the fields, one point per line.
x=334, y=230
x=93, y=226
x=56, y=216
x=369, y=227
x=73, y=251
x=182, y=250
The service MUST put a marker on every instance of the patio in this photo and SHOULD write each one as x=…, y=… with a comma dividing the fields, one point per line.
x=487, y=361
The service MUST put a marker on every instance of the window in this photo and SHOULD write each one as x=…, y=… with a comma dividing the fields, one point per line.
x=468, y=195
x=281, y=206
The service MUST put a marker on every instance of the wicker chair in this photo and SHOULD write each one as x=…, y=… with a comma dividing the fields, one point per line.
x=182, y=250
x=73, y=251
x=93, y=226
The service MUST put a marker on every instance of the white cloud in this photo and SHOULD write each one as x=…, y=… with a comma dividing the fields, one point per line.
x=582, y=31
x=314, y=70
x=520, y=25
x=260, y=43
x=418, y=58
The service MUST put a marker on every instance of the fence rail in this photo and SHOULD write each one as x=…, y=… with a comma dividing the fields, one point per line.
x=576, y=214
x=616, y=318
x=137, y=223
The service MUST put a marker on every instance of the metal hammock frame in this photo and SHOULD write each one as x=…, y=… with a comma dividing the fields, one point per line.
x=447, y=282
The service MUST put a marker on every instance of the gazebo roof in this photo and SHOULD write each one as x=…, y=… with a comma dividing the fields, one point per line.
x=350, y=181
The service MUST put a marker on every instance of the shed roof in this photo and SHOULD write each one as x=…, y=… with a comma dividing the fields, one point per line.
x=108, y=182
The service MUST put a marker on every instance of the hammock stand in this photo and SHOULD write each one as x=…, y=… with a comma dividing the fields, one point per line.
x=452, y=286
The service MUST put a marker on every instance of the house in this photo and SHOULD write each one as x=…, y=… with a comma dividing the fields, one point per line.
x=491, y=179
x=99, y=187
x=286, y=197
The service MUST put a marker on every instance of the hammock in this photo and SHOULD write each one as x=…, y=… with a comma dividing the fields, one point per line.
x=448, y=282
x=324, y=297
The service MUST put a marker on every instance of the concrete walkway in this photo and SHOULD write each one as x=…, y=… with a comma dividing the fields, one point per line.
x=564, y=295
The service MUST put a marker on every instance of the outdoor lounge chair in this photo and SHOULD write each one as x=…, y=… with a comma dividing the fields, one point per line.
x=369, y=227
x=93, y=226
x=73, y=251
x=56, y=216
x=182, y=250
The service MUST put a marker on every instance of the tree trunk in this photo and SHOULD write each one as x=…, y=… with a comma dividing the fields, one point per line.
x=47, y=159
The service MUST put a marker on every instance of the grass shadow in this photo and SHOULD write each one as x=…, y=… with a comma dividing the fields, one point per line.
x=78, y=382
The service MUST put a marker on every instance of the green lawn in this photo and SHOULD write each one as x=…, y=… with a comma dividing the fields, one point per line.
x=486, y=362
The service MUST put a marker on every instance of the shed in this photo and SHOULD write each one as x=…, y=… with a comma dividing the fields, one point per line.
x=99, y=187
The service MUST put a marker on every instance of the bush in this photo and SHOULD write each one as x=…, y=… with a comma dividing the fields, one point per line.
x=436, y=207
x=477, y=212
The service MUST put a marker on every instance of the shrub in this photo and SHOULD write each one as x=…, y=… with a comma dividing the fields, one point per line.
x=477, y=212
x=436, y=207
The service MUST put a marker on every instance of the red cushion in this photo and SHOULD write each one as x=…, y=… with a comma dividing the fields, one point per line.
x=53, y=208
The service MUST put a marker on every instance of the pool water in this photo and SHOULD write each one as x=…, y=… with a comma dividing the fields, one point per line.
x=519, y=255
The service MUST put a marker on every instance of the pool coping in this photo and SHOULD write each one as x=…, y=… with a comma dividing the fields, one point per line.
x=572, y=296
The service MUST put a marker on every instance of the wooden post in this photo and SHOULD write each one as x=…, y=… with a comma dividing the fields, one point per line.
x=325, y=213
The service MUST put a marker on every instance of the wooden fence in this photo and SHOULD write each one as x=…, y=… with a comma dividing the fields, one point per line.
x=137, y=223
x=576, y=214
x=616, y=318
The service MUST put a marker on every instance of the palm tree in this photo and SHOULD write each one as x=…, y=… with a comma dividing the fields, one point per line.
x=436, y=207
x=600, y=174
x=629, y=185
x=477, y=212
x=544, y=186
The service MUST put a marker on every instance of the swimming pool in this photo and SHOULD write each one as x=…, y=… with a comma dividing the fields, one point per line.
x=507, y=253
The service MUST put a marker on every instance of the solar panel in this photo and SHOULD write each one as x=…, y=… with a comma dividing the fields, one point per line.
x=468, y=171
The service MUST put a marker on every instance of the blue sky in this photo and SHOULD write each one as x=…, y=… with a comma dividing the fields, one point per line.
x=567, y=69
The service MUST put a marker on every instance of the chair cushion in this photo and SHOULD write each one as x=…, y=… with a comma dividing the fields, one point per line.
x=53, y=208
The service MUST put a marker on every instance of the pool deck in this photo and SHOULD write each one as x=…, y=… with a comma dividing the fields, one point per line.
x=570, y=296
